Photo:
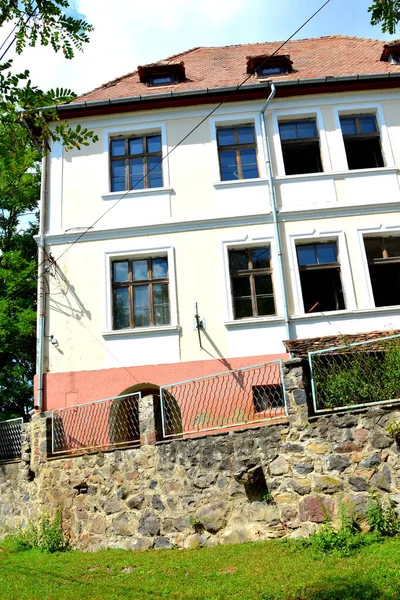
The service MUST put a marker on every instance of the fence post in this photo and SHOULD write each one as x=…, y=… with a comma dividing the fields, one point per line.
x=295, y=376
x=40, y=439
x=147, y=421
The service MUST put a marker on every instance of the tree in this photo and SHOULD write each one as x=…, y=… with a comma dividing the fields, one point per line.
x=24, y=135
x=385, y=13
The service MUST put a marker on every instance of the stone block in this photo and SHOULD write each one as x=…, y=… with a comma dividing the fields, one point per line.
x=380, y=441
x=359, y=484
x=157, y=503
x=162, y=543
x=301, y=486
x=318, y=448
x=316, y=508
x=149, y=524
x=347, y=447
x=135, y=502
x=299, y=396
x=327, y=484
x=355, y=506
x=373, y=460
x=124, y=526
x=383, y=479
x=304, y=468
x=212, y=516
x=279, y=466
x=338, y=463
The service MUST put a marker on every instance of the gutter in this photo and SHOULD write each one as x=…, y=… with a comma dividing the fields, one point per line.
x=274, y=211
x=41, y=306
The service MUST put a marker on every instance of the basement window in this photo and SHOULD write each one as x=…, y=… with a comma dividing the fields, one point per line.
x=320, y=278
x=362, y=142
x=383, y=256
x=300, y=147
x=267, y=397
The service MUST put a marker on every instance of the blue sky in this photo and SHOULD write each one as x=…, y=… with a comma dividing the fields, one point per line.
x=127, y=35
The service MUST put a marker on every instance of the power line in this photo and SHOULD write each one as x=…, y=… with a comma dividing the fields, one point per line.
x=238, y=87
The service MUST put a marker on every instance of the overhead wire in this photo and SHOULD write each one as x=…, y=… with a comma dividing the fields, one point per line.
x=234, y=91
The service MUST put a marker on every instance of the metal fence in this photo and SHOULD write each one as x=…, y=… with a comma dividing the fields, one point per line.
x=108, y=423
x=10, y=439
x=356, y=375
x=242, y=397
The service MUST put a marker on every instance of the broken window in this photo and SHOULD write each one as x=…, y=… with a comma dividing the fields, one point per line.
x=237, y=152
x=300, y=147
x=251, y=282
x=383, y=256
x=136, y=163
x=361, y=141
x=320, y=278
x=140, y=292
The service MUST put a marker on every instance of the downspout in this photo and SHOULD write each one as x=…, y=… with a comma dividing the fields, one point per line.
x=41, y=302
x=275, y=213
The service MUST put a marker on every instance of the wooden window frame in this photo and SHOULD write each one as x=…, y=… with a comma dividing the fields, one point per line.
x=127, y=157
x=131, y=284
x=251, y=272
x=359, y=135
x=237, y=146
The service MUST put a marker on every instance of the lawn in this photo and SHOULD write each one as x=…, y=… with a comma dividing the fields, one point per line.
x=262, y=571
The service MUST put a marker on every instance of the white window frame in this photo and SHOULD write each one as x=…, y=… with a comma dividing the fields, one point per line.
x=253, y=118
x=377, y=231
x=250, y=242
x=136, y=130
x=130, y=254
x=280, y=116
x=359, y=109
x=314, y=237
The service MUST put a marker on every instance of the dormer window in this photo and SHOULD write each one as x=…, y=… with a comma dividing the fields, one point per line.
x=391, y=52
x=159, y=74
x=265, y=65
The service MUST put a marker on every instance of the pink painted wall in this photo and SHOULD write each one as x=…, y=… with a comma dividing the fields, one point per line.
x=68, y=389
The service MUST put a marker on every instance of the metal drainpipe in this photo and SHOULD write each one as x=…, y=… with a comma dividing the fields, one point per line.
x=41, y=303
x=275, y=213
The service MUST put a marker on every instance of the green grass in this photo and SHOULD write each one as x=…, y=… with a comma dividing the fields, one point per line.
x=262, y=571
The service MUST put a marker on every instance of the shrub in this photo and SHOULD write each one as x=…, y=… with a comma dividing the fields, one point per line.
x=46, y=534
x=382, y=517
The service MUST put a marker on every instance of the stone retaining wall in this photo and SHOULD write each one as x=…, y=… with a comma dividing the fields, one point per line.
x=269, y=482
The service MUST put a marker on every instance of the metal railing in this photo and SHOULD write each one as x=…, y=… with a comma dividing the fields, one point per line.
x=10, y=439
x=355, y=375
x=104, y=424
x=239, y=398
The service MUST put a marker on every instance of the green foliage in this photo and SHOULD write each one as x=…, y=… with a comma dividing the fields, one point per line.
x=46, y=534
x=268, y=498
x=393, y=428
x=385, y=13
x=356, y=376
x=382, y=517
x=197, y=525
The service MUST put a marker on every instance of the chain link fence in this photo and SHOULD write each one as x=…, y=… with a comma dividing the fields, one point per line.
x=355, y=375
x=104, y=424
x=10, y=439
x=239, y=398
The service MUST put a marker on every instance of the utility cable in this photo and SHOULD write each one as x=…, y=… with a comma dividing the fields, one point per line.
x=238, y=87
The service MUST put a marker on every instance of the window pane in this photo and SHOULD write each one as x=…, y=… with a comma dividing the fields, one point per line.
x=348, y=125
x=367, y=124
x=139, y=268
x=120, y=271
x=117, y=147
x=249, y=163
x=137, y=174
x=243, y=308
x=161, y=304
x=154, y=143
x=155, y=171
x=265, y=306
x=246, y=135
x=306, y=255
x=162, y=80
x=392, y=245
x=287, y=131
x=136, y=146
x=373, y=247
x=121, y=308
x=269, y=71
x=238, y=260
x=225, y=137
x=141, y=310
x=241, y=286
x=260, y=257
x=326, y=253
x=306, y=129
x=159, y=268
x=263, y=284
x=118, y=175
x=228, y=165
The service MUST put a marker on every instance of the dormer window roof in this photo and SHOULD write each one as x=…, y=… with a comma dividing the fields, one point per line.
x=265, y=65
x=391, y=52
x=158, y=74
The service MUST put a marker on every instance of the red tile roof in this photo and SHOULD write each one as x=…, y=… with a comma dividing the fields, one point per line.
x=213, y=67
x=300, y=348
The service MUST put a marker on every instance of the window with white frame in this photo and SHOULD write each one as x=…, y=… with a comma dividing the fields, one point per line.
x=361, y=141
x=140, y=290
x=383, y=255
x=252, y=289
x=320, y=277
x=237, y=152
x=300, y=146
x=135, y=162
